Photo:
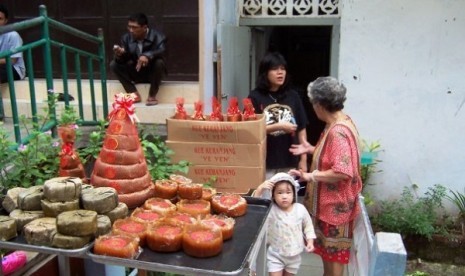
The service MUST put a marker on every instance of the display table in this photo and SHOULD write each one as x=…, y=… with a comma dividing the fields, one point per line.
x=247, y=244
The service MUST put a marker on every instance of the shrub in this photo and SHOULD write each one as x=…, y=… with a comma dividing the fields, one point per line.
x=157, y=154
x=412, y=215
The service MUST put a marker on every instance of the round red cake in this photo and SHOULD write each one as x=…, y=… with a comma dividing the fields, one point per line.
x=181, y=218
x=166, y=189
x=121, y=246
x=201, y=241
x=225, y=223
x=131, y=227
x=145, y=216
x=190, y=190
x=160, y=205
x=164, y=236
x=208, y=193
x=232, y=205
x=195, y=207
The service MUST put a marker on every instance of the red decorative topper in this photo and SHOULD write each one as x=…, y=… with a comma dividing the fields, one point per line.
x=216, y=114
x=198, y=112
x=126, y=102
x=70, y=164
x=180, y=113
x=249, y=110
x=234, y=114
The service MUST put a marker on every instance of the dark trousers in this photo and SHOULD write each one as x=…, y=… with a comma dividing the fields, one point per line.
x=4, y=79
x=128, y=76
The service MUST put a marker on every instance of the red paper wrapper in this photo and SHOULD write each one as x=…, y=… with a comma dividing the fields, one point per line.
x=249, y=110
x=198, y=111
x=180, y=113
x=216, y=114
x=234, y=114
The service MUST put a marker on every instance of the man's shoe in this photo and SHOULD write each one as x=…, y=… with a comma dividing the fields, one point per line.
x=151, y=101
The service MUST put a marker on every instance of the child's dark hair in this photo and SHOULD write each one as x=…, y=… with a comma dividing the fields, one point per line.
x=294, y=193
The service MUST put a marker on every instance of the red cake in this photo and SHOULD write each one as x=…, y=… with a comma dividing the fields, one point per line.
x=225, y=223
x=166, y=188
x=165, y=236
x=160, y=205
x=232, y=205
x=190, y=190
x=145, y=216
x=121, y=246
x=201, y=241
x=121, y=163
x=181, y=218
x=195, y=207
x=130, y=227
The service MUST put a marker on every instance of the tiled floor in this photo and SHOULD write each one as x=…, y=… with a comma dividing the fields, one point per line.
x=311, y=265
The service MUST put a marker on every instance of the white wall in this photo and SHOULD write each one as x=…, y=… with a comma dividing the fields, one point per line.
x=403, y=62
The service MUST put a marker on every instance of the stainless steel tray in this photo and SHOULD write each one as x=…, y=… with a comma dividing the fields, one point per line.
x=19, y=243
x=231, y=261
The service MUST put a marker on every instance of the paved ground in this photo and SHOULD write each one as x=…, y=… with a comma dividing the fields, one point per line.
x=311, y=265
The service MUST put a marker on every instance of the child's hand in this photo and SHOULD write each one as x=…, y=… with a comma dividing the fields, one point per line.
x=265, y=185
x=309, y=247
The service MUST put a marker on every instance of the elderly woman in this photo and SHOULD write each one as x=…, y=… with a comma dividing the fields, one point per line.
x=334, y=177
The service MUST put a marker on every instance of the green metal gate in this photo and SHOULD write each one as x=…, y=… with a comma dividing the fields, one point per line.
x=46, y=44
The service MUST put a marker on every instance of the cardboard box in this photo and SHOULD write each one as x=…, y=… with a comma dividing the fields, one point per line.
x=244, y=132
x=220, y=154
x=230, y=179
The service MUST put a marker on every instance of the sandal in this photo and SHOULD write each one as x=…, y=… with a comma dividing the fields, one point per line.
x=151, y=101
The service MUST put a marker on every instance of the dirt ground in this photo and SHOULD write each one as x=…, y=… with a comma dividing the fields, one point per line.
x=434, y=269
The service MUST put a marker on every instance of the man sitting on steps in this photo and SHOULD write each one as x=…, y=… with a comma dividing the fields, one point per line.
x=10, y=41
x=139, y=57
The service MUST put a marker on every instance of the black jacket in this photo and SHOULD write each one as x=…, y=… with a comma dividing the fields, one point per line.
x=153, y=46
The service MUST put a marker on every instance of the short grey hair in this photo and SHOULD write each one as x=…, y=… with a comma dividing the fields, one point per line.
x=327, y=92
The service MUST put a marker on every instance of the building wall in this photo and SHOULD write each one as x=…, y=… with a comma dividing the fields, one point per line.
x=403, y=64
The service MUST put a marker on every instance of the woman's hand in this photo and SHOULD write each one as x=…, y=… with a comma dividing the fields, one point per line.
x=303, y=148
x=299, y=175
x=288, y=127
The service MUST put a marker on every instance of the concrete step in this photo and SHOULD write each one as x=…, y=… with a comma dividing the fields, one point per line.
x=158, y=114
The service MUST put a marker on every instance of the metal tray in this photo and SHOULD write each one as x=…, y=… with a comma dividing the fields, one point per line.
x=231, y=261
x=19, y=243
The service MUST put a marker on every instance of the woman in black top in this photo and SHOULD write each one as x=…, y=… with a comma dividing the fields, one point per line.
x=284, y=114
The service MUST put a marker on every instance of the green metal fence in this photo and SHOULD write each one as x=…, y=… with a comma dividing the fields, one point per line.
x=46, y=43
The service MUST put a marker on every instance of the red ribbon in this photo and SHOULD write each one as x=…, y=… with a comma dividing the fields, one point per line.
x=68, y=149
x=124, y=101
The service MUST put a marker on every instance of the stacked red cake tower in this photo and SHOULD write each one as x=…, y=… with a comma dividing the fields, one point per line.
x=121, y=163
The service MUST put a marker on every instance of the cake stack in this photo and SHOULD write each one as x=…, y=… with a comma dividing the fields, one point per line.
x=121, y=163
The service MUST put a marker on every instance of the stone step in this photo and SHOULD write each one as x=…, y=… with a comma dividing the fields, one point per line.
x=158, y=114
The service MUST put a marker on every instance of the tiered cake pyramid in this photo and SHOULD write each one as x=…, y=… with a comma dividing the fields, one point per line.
x=121, y=163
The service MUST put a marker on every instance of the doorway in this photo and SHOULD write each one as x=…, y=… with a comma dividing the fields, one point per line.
x=307, y=50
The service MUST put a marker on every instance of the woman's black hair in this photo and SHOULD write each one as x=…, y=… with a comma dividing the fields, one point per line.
x=269, y=61
x=294, y=192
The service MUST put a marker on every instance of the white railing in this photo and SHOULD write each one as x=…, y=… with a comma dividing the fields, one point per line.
x=372, y=255
x=288, y=8
x=362, y=243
